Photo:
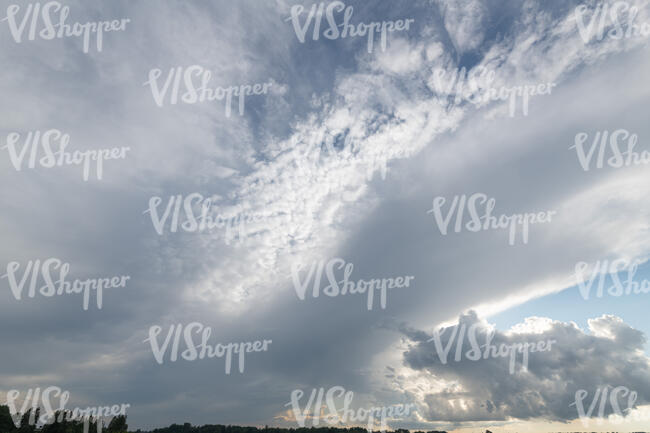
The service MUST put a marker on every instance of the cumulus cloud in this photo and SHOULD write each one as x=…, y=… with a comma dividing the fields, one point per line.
x=609, y=353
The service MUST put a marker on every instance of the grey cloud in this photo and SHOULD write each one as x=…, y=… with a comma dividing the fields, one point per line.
x=611, y=354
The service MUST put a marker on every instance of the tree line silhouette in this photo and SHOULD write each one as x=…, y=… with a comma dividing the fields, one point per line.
x=62, y=424
x=118, y=425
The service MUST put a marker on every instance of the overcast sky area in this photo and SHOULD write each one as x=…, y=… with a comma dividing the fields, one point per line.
x=347, y=154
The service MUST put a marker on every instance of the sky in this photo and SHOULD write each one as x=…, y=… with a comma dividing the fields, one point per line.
x=345, y=159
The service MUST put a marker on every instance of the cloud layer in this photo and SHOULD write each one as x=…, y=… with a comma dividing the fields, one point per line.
x=341, y=159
